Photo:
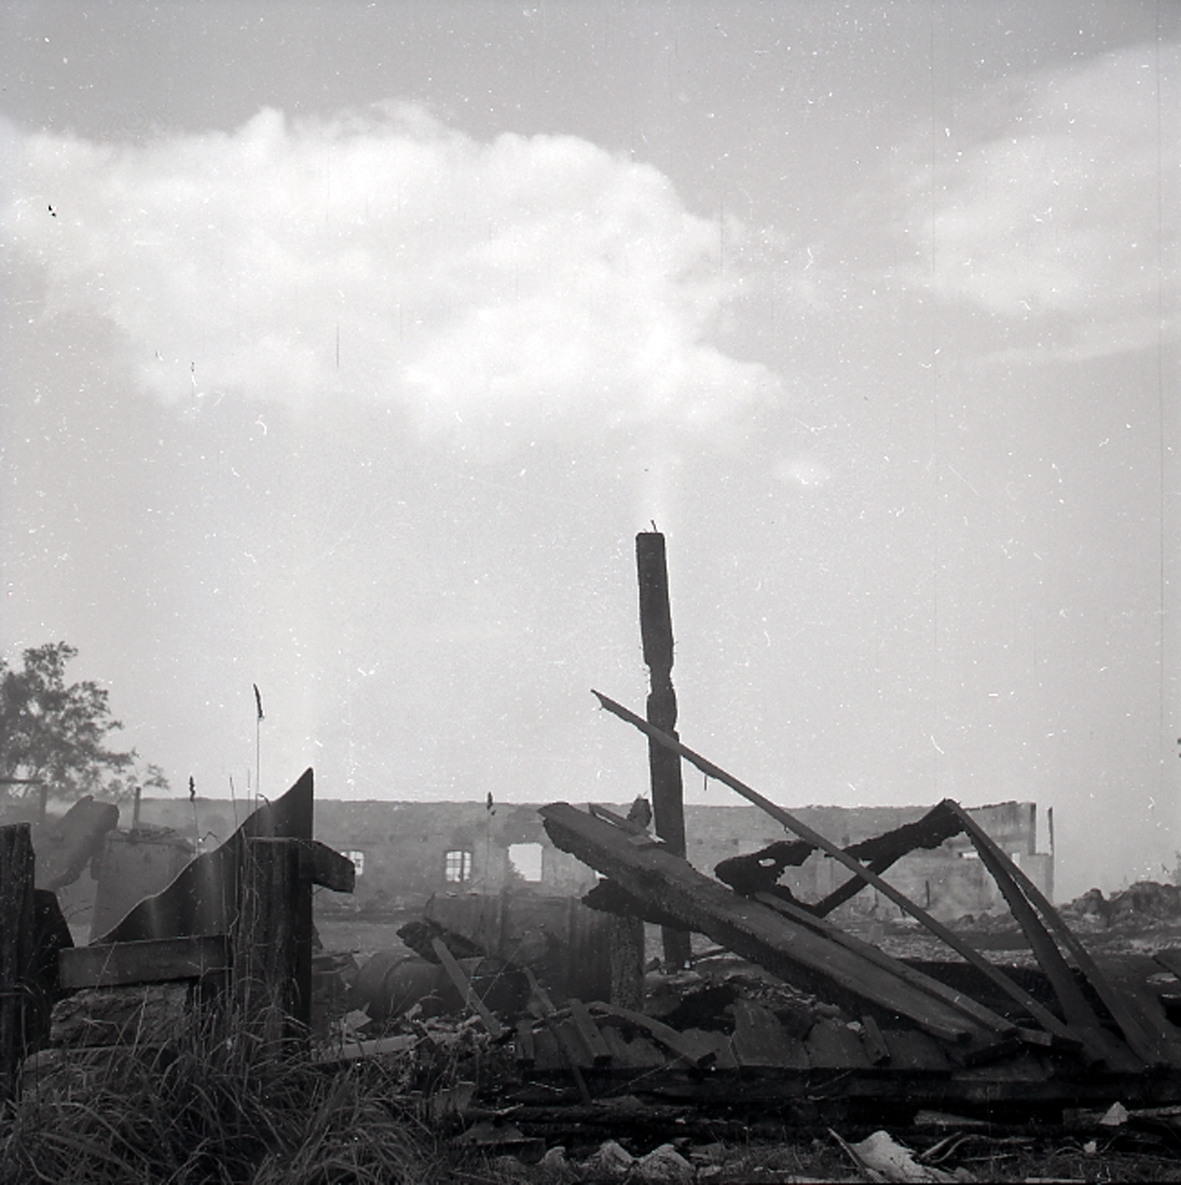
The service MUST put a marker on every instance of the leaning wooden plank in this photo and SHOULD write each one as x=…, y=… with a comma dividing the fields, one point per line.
x=749, y=928
x=1152, y=1038
x=119, y=964
x=1100, y=1045
x=1044, y=1017
x=958, y=1000
x=467, y=992
x=589, y=1033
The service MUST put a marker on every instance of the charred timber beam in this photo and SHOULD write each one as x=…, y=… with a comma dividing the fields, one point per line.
x=759, y=871
x=608, y=897
x=937, y=825
x=754, y=931
x=1150, y=1041
x=1051, y=1023
x=958, y=1000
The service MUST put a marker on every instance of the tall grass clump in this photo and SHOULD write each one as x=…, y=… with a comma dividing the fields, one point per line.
x=215, y=1106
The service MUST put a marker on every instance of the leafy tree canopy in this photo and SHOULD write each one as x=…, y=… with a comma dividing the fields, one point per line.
x=53, y=735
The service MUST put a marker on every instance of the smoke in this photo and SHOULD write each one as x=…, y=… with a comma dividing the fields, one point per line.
x=483, y=290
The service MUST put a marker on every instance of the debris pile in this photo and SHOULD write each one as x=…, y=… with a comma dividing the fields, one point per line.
x=1144, y=905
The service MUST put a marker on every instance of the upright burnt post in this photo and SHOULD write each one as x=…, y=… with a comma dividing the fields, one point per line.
x=16, y=948
x=664, y=766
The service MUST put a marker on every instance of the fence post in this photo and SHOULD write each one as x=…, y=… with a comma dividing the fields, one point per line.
x=16, y=947
x=271, y=941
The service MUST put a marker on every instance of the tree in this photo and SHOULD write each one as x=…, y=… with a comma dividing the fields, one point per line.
x=53, y=735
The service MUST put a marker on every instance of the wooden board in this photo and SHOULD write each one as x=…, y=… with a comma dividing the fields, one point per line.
x=637, y=1054
x=721, y=1044
x=834, y=1046
x=915, y=1053
x=119, y=964
x=588, y=1032
x=760, y=1042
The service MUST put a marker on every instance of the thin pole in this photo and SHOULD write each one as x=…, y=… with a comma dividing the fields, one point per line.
x=258, y=745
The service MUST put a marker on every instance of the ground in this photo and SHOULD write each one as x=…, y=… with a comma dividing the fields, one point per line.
x=1080, y=1149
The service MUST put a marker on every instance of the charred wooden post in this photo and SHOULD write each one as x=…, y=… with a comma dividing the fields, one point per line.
x=664, y=766
x=627, y=963
x=271, y=942
x=16, y=947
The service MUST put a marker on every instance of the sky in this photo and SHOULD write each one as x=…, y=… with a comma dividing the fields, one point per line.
x=346, y=347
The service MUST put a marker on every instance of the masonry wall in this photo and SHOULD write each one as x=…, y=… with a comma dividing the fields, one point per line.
x=408, y=851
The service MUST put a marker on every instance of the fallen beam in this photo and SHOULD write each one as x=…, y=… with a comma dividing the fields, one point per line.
x=754, y=931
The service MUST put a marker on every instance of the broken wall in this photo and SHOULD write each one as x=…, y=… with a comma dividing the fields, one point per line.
x=407, y=851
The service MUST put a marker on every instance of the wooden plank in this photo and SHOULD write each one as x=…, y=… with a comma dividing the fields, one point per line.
x=466, y=991
x=1041, y=1014
x=328, y=868
x=721, y=1044
x=548, y=1057
x=588, y=1032
x=834, y=1046
x=1015, y=888
x=692, y=1051
x=911, y=975
x=120, y=964
x=760, y=1042
x=637, y=1054
x=570, y=1038
x=17, y=871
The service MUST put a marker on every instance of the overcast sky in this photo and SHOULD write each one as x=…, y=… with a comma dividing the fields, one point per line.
x=345, y=348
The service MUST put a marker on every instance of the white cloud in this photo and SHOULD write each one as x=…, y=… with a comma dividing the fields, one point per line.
x=1044, y=204
x=387, y=257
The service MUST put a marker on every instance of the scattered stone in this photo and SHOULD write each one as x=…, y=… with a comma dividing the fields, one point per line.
x=610, y=1160
x=1115, y=1116
x=665, y=1164
x=146, y=1016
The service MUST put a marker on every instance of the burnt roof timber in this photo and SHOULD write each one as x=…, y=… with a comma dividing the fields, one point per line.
x=1051, y=1023
x=754, y=931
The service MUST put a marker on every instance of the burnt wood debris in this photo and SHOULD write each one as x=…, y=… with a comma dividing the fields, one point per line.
x=831, y=1016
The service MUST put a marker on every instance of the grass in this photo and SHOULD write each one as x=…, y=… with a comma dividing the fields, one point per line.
x=214, y=1106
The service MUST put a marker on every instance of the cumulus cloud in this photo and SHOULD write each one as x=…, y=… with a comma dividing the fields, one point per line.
x=384, y=256
x=1044, y=204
